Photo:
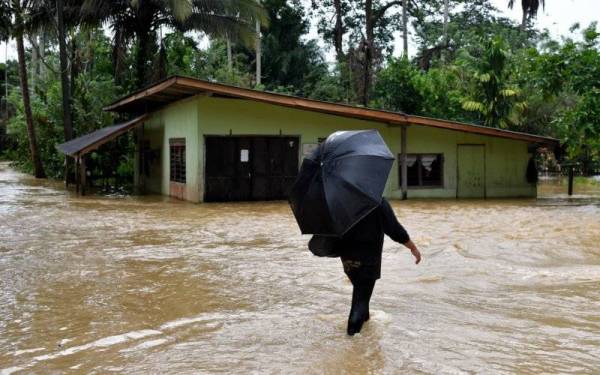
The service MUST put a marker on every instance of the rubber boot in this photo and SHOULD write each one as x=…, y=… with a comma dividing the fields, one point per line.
x=359, y=312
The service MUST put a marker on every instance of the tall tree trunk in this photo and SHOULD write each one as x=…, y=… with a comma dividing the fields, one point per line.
x=161, y=66
x=64, y=73
x=258, y=55
x=338, y=31
x=524, y=20
x=446, y=12
x=38, y=169
x=75, y=67
x=91, y=56
x=229, y=54
x=42, y=52
x=368, y=52
x=142, y=58
x=446, y=41
x=405, y=27
x=4, y=101
x=34, y=66
x=117, y=56
x=6, y=83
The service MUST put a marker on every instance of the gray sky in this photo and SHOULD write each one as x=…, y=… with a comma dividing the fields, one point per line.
x=557, y=17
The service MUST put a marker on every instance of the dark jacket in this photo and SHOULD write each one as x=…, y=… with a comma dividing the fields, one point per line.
x=360, y=248
x=364, y=241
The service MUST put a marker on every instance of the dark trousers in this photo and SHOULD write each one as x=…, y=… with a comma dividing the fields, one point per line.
x=363, y=278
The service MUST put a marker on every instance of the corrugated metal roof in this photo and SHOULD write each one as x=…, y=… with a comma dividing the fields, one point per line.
x=92, y=141
x=175, y=88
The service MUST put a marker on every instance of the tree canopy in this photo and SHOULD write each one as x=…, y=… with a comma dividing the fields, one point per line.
x=470, y=63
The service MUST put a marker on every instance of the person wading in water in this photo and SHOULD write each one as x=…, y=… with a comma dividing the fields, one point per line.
x=337, y=197
x=360, y=251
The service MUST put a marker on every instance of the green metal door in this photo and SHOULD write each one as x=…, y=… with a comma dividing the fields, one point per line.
x=471, y=171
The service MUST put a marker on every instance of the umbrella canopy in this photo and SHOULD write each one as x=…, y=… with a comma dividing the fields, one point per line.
x=341, y=182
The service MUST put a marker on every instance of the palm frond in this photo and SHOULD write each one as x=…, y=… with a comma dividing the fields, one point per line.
x=521, y=106
x=473, y=106
x=247, y=10
x=219, y=26
x=485, y=77
x=508, y=92
x=100, y=10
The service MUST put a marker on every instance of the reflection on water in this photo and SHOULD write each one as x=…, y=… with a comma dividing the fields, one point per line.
x=96, y=284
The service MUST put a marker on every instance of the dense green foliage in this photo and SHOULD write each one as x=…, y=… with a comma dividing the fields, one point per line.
x=494, y=98
x=93, y=88
x=476, y=67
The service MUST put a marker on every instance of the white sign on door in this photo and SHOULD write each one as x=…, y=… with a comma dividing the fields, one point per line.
x=244, y=156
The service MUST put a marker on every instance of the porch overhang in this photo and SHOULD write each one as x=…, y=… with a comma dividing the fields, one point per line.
x=90, y=142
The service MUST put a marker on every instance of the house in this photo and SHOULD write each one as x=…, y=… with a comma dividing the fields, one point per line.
x=203, y=141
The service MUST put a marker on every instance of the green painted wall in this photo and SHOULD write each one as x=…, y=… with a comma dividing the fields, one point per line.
x=506, y=160
x=242, y=117
x=179, y=120
x=154, y=133
x=471, y=171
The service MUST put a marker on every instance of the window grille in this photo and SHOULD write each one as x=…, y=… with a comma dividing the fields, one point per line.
x=177, y=153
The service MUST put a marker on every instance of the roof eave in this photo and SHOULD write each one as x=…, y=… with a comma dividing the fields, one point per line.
x=483, y=130
x=394, y=118
x=141, y=93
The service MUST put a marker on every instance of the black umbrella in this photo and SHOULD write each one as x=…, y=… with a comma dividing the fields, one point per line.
x=341, y=182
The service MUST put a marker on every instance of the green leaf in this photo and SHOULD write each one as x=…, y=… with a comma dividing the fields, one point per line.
x=508, y=93
x=485, y=77
x=473, y=106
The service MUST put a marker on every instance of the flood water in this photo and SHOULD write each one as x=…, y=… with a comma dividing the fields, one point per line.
x=151, y=285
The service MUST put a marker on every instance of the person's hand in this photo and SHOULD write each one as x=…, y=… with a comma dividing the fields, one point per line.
x=415, y=252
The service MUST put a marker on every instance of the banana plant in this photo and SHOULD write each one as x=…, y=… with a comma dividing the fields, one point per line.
x=495, y=100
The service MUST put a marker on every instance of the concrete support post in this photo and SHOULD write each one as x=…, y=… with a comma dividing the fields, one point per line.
x=66, y=171
x=138, y=175
x=571, y=177
x=83, y=173
x=77, y=174
x=403, y=165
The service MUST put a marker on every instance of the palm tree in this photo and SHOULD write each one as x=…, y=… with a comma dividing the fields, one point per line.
x=375, y=12
x=140, y=19
x=5, y=20
x=64, y=74
x=405, y=28
x=445, y=29
x=56, y=16
x=16, y=14
x=530, y=9
x=494, y=99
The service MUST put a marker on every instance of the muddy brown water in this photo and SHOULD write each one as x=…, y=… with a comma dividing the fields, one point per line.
x=151, y=285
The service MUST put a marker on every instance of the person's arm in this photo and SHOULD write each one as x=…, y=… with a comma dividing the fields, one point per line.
x=396, y=231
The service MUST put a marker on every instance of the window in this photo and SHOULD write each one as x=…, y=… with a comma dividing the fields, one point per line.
x=423, y=170
x=177, y=148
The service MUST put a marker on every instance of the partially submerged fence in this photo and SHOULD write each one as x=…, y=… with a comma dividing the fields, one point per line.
x=572, y=169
